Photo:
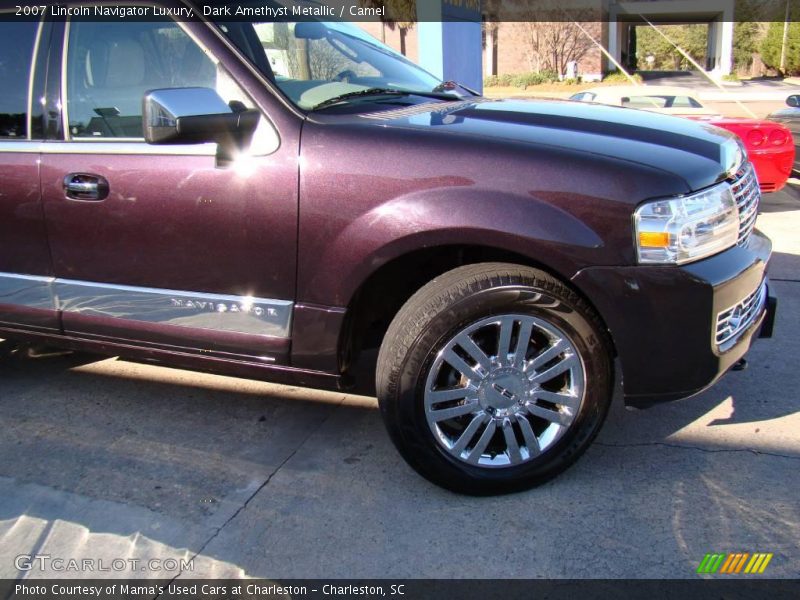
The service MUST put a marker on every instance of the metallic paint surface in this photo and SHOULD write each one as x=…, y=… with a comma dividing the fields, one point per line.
x=315, y=339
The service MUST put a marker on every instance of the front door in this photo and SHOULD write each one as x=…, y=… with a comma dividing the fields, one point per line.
x=161, y=244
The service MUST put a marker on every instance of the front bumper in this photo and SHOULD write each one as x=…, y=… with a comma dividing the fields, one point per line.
x=665, y=320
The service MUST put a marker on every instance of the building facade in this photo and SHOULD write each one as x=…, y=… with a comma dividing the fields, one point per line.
x=605, y=30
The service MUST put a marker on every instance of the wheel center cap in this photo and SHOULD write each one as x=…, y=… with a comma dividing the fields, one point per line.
x=503, y=389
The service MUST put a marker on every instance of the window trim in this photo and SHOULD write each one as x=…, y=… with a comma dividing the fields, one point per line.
x=65, y=98
x=31, y=78
x=29, y=100
x=137, y=145
x=116, y=147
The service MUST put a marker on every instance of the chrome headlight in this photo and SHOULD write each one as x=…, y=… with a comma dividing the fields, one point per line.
x=734, y=154
x=681, y=230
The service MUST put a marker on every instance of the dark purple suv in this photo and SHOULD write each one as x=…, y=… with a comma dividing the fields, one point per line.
x=298, y=203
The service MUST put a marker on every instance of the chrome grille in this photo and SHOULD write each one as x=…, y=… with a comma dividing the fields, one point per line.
x=736, y=319
x=747, y=195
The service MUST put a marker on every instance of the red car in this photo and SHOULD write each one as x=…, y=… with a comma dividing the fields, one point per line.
x=770, y=146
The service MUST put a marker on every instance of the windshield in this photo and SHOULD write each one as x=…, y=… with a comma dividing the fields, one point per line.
x=316, y=62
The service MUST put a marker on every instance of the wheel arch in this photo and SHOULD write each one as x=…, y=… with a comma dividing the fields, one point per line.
x=381, y=294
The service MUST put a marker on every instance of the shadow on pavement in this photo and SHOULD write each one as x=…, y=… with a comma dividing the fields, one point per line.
x=787, y=199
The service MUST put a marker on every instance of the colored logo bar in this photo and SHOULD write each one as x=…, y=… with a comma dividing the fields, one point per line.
x=735, y=563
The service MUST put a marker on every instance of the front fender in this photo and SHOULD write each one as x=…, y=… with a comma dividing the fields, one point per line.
x=338, y=262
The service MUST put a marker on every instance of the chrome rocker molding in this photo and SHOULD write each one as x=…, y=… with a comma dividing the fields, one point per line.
x=31, y=291
x=219, y=312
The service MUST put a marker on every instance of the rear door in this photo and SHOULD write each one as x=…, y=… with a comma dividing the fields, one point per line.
x=166, y=247
x=26, y=273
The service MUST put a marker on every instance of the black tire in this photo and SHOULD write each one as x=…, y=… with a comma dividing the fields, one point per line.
x=446, y=306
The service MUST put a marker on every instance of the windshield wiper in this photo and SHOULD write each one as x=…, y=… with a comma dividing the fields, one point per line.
x=376, y=91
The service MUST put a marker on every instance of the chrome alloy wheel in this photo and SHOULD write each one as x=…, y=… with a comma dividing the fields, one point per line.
x=503, y=390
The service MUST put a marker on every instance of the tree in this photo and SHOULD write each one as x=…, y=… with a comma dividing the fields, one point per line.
x=326, y=62
x=745, y=44
x=550, y=45
x=692, y=39
x=750, y=29
x=400, y=14
x=772, y=44
x=550, y=36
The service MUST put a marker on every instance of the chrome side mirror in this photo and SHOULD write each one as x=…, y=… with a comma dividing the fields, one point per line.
x=196, y=116
x=793, y=101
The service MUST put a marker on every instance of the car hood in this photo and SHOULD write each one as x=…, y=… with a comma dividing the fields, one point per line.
x=699, y=153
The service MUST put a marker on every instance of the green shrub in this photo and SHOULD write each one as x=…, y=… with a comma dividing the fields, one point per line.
x=619, y=77
x=549, y=75
x=523, y=80
x=730, y=77
x=505, y=79
x=520, y=80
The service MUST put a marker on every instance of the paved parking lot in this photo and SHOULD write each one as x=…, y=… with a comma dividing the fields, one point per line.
x=108, y=459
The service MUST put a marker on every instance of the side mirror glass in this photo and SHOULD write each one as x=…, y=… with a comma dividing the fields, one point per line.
x=196, y=116
x=310, y=30
x=793, y=100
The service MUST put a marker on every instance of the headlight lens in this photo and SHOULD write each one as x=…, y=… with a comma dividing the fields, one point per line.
x=681, y=230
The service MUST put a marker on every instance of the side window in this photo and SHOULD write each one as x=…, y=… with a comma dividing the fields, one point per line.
x=682, y=102
x=647, y=102
x=584, y=97
x=16, y=52
x=111, y=65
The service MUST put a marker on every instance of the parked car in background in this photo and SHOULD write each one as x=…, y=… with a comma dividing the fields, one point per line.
x=334, y=219
x=790, y=117
x=770, y=146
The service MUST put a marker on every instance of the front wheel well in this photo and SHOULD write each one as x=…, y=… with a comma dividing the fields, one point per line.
x=382, y=294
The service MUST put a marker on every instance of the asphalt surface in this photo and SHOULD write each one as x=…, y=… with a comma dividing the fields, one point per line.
x=106, y=459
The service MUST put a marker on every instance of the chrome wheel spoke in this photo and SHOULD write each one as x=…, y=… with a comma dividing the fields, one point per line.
x=486, y=437
x=548, y=355
x=557, y=369
x=567, y=400
x=523, y=341
x=504, y=341
x=438, y=396
x=547, y=414
x=460, y=365
x=531, y=441
x=474, y=351
x=470, y=406
x=466, y=437
x=512, y=446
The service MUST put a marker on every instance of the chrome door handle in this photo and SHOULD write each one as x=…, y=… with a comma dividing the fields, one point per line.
x=85, y=186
